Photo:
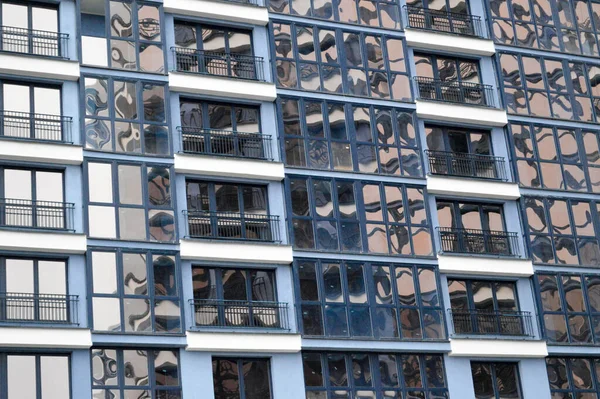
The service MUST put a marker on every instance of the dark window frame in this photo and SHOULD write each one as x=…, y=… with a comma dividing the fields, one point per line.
x=433, y=62
x=212, y=194
x=240, y=376
x=248, y=283
x=199, y=26
x=480, y=205
x=38, y=372
x=205, y=105
x=565, y=372
x=492, y=366
x=447, y=130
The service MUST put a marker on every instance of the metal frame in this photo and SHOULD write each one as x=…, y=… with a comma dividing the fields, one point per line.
x=463, y=24
x=351, y=135
x=495, y=380
x=240, y=375
x=38, y=354
x=341, y=60
x=570, y=370
x=150, y=295
x=371, y=301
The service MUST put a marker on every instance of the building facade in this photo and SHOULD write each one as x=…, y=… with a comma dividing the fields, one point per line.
x=299, y=199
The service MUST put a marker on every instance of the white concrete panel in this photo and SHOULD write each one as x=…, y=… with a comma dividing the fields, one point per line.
x=39, y=67
x=480, y=265
x=430, y=40
x=243, y=342
x=221, y=10
x=221, y=86
x=235, y=251
x=42, y=241
x=230, y=167
x=457, y=113
x=63, y=338
x=31, y=151
x=447, y=185
x=92, y=54
x=498, y=348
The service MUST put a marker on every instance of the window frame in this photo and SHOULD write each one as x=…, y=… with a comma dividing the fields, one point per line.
x=212, y=194
x=248, y=283
x=115, y=204
x=492, y=366
x=371, y=302
x=240, y=376
x=457, y=217
x=204, y=105
x=567, y=363
x=120, y=295
x=340, y=63
x=445, y=131
x=30, y=6
x=457, y=60
x=198, y=26
x=351, y=138
x=38, y=371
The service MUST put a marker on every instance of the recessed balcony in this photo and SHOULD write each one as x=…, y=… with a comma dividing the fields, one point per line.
x=491, y=324
x=225, y=143
x=49, y=50
x=458, y=164
x=481, y=242
x=229, y=314
x=232, y=226
x=26, y=308
x=444, y=21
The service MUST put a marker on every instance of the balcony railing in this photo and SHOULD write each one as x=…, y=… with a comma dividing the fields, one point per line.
x=239, y=314
x=39, y=127
x=485, y=322
x=38, y=308
x=232, y=226
x=485, y=242
x=220, y=64
x=443, y=21
x=257, y=3
x=34, y=42
x=46, y=215
x=225, y=143
x=465, y=93
x=466, y=165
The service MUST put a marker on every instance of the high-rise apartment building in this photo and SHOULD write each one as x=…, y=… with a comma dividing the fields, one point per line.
x=300, y=199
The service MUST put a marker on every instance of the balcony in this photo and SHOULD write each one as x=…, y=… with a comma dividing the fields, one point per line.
x=443, y=21
x=477, y=322
x=38, y=127
x=232, y=226
x=455, y=92
x=239, y=314
x=43, y=215
x=466, y=165
x=49, y=48
x=25, y=308
x=237, y=66
x=483, y=242
x=225, y=143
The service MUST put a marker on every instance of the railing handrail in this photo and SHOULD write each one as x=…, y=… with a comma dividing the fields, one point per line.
x=239, y=314
x=455, y=91
x=456, y=83
x=242, y=302
x=233, y=65
x=455, y=23
x=464, y=155
x=25, y=202
x=34, y=42
x=37, y=214
x=462, y=164
x=227, y=143
x=483, y=242
x=254, y=3
x=232, y=226
x=35, y=126
x=22, y=307
x=489, y=312
x=33, y=32
x=478, y=231
x=228, y=214
x=497, y=322
x=440, y=12
x=202, y=131
x=216, y=53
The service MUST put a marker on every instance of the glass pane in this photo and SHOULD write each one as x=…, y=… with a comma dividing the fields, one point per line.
x=136, y=366
x=130, y=184
x=332, y=283
x=257, y=384
x=104, y=272
x=55, y=381
x=21, y=377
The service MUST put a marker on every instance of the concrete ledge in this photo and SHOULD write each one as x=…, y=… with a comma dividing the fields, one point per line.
x=32, y=151
x=61, y=338
x=480, y=265
x=231, y=167
x=221, y=86
x=221, y=10
x=431, y=40
x=479, y=188
x=457, y=113
x=43, y=241
x=235, y=251
x=501, y=348
x=39, y=67
x=243, y=342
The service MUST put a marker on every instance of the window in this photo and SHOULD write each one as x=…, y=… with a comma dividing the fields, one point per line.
x=569, y=307
x=35, y=376
x=347, y=138
x=338, y=215
x=235, y=298
x=221, y=39
x=241, y=378
x=31, y=29
x=135, y=292
x=453, y=6
x=135, y=373
x=336, y=61
x=550, y=88
x=569, y=26
x=35, y=290
x=128, y=38
x=362, y=375
x=374, y=13
x=573, y=377
x=126, y=116
x=495, y=380
x=556, y=158
x=364, y=300
x=562, y=231
x=485, y=307
x=458, y=140
x=472, y=216
x=130, y=201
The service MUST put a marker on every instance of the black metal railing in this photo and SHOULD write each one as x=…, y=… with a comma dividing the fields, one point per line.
x=458, y=92
x=491, y=322
x=225, y=143
x=466, y=165
x=443, y=21
x=240, y=314
x=42, y=127
x=34, y=42
x=257, y=3
x=38, y=308
x=232, y=226
x=220, y=64
x=47, y=215
x=485, y=242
